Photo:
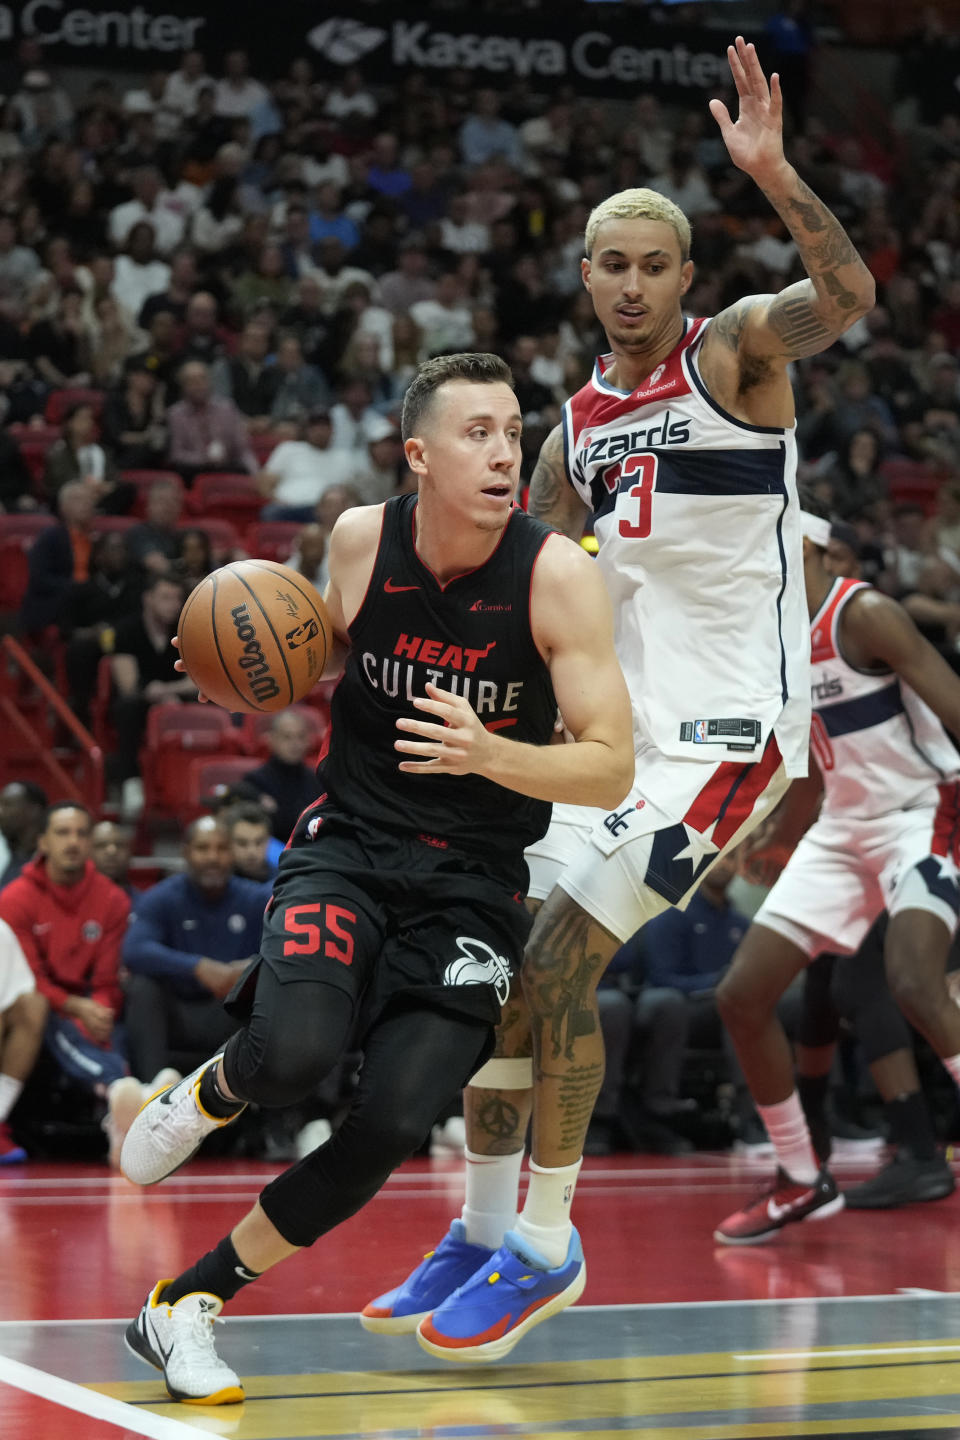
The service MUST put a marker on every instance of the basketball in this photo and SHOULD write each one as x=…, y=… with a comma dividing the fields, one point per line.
x=254, y=636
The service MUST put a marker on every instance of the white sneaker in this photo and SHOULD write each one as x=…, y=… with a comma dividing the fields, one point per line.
x=314, y=1134
x=178, y=1339
x=168, y=1130
x=124, y=1099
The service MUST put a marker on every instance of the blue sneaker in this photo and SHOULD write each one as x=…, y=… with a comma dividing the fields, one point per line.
x=495, y=1308
x=400, y=1311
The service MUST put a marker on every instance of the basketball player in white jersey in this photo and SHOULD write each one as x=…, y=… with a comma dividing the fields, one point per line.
x=682, y=445
x=887, y=836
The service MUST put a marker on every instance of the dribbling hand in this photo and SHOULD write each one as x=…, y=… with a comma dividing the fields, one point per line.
x=457, y=745
x=179, y=666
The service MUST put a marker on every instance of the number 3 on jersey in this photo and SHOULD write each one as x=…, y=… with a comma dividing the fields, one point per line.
x=637, y=504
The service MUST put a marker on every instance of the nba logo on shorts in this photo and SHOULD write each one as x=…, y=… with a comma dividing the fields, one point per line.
x=700, y=732
x=313, y=827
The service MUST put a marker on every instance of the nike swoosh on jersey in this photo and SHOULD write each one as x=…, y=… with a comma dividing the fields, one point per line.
x=392, y=589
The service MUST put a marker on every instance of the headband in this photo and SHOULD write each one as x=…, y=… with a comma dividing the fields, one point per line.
x=815, y=528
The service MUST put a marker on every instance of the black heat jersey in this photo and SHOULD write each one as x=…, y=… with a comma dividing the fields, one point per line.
x=471, y=635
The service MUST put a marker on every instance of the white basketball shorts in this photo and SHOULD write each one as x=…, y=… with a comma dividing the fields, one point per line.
x=626, y=866
x=845, y=872
x=16, y=977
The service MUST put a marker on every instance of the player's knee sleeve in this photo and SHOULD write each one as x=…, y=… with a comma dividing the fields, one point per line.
x=504, y=1075
x=880, y=1027
x=274, y=1075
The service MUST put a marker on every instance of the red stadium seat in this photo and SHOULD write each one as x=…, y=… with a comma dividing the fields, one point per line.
x=263, y=447
x=14, y=573
x=255, y=728
x=60, y=401
x=144, y=480
x=234, y=498
x=912, y=482
x=25, y=526
x=176, y=733
x=206, y=775
x=33, y=443
x=273, y=539
x=223, y=535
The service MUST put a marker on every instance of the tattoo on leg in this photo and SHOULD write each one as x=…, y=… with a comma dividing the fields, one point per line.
x=500, y=1120
x=563, y=972
x=579, y=1089
x=513, y=1040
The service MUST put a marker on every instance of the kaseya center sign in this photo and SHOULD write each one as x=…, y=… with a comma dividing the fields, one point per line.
x=619, y=55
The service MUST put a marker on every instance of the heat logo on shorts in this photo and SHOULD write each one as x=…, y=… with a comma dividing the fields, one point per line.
x=478, y=964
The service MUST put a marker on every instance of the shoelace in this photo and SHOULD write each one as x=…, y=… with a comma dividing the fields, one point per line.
x=201, y=1333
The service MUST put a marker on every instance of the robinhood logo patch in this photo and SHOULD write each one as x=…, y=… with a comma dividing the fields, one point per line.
x=346, y=41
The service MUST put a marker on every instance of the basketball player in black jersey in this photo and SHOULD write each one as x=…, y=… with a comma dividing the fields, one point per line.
x=398, y=906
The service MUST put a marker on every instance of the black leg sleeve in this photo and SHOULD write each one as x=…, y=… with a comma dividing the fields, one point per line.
x=415, y=1061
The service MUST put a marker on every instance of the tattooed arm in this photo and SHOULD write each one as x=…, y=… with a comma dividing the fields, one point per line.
x=807, y=317
x=552, y=498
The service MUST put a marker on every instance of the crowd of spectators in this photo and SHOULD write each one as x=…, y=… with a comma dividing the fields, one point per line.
x=226, y=273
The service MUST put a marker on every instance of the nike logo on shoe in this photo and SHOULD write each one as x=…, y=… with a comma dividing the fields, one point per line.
x=779, y=1212
x=392, y=589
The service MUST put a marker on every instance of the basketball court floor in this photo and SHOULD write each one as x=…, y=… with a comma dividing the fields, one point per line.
x=848, y=1327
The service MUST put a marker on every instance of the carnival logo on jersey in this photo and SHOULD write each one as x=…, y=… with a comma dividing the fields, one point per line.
x=478, y=964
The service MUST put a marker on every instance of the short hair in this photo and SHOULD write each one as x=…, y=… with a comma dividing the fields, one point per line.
x=245, y=813
x=32, y=792
x=639, y=204
x=478, y=368
x=59, y=805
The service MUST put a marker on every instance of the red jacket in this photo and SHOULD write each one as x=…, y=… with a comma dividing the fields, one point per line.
x=71, y=934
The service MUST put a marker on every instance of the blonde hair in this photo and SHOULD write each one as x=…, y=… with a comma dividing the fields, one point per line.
x=639, y=205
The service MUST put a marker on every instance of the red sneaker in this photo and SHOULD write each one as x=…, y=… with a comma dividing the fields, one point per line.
x=10, y=1152
x=786, y=1202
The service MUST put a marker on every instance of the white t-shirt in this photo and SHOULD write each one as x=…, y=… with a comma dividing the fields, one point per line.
x=443, y=327
x=239, y=101
x=132, y=283
x=180, y=92
x=167, y=224
x=305, y=472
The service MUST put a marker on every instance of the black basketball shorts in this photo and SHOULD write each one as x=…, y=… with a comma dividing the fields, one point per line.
x=382, y=915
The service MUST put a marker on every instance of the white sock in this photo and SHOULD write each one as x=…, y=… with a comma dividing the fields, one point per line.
x=490, y=1204
x=545, y=1221
x=786, y=1125
x=9, y=1095
x=950, y=1064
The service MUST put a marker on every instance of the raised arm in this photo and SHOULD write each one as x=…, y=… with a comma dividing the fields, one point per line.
x=552, y=498
x=806, y=317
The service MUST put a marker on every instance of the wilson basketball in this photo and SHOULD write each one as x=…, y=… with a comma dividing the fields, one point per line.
x=254, y=636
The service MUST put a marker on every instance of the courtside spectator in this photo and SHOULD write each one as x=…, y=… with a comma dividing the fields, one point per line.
x=23, y=814
x=70, y=922
x=190, y=940
x=288, y=784
x=249, y=831
x=111, y=846
x=205, y=431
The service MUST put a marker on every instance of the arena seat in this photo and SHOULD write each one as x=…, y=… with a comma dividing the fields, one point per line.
x=17, y=534
x=107, y=524
x=24, y=526
x=33, y=442
x=235, y=498
x=205, y=775
x=174, y=734
x=144, y=480
x=273, y=539
x=263, y=447
x=912, y=482
x=60, y=401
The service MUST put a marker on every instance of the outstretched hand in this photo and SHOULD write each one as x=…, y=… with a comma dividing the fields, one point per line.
x=179, y=666
x=755, y=139
x=456, y=744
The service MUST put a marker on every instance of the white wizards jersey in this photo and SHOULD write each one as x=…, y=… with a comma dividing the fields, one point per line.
x=879, y=747
x=698, y=526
